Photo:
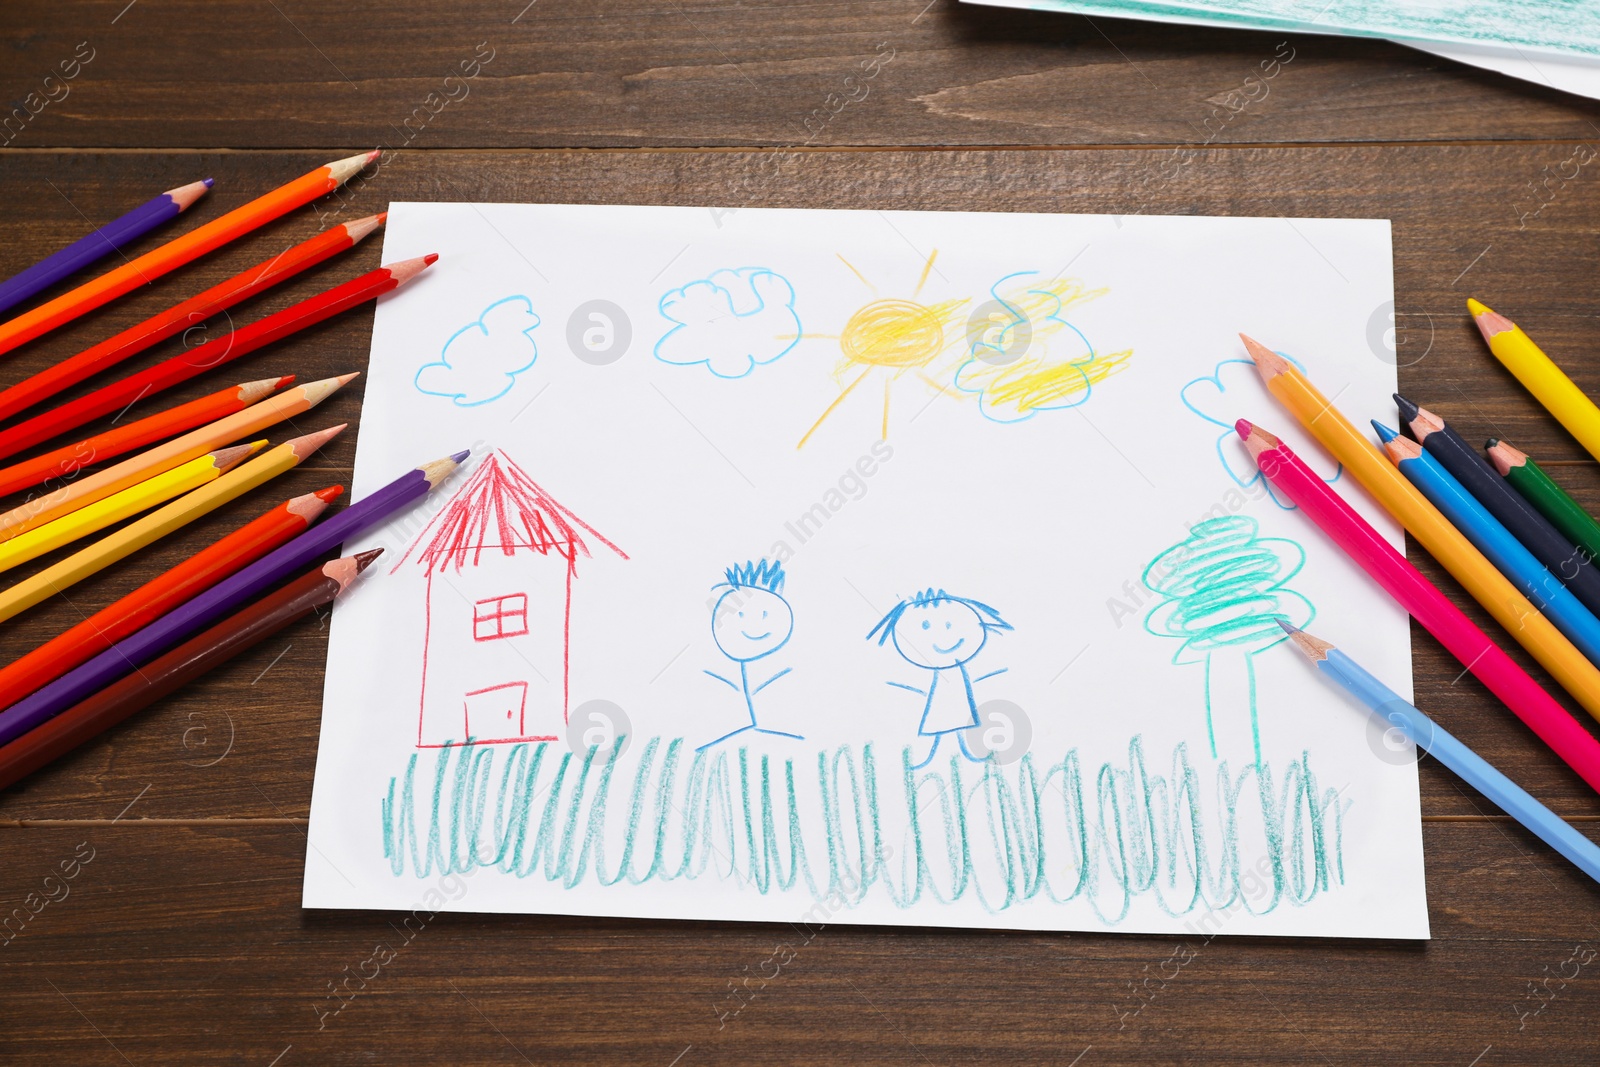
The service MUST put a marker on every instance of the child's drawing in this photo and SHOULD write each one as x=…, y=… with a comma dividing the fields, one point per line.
x=480, y=362
x=750, y=622
x=501, y=557
x=1223, y=592
x=1032, y=359
x=1218, y=398
x=942, y=634
x=732, y=322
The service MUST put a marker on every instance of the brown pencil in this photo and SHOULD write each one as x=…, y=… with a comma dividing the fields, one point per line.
x=164, y=675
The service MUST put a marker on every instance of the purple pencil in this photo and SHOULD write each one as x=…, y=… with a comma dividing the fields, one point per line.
x=101, y=243
x=225, y=597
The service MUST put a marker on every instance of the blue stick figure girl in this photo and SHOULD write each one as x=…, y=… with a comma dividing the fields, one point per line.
x=750, y=622
x=942, y=634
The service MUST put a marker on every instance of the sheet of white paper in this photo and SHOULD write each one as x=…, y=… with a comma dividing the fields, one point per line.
x=891, y=489
x=1569, y=72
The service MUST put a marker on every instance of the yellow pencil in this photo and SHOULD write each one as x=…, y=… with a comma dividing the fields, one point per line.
x=113, y=509
x=90, y=488
x=1540, y=376
x=1447, y=545
x=156, y=525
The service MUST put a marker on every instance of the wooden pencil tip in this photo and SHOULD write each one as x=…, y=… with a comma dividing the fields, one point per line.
x=406, y=269
x=1423, y=423
x=225, y=459
x=250, y=392
x=346, y=379
x=440, y=469
x=1402, y=448
x=308, y=505
x=1268, y=363
x=330, y=494
x=1314, y=647
x=364, y=559
x=372, y=156
x=316, y=392
x=185, y=195
x=1490, y=323
x=304, y=446
x=1242, y=427
x=1504, y=456
x=358, y=230
x=342, y=170
x=345, y=569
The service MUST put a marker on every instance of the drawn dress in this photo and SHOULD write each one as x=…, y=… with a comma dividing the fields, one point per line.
x=950, y=705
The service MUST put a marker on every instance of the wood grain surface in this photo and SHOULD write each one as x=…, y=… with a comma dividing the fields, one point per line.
x=181, y=939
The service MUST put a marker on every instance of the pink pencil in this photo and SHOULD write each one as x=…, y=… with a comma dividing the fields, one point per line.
x=1485, y=659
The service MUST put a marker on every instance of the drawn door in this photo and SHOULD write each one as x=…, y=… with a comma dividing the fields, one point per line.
x=496, y=713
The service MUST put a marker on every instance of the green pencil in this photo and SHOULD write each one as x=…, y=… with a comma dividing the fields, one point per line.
x=1548, y=498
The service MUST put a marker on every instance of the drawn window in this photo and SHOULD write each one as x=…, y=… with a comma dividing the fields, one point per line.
x=500, y=616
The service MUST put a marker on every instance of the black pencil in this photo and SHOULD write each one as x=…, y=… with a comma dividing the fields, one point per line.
x=1570, y=565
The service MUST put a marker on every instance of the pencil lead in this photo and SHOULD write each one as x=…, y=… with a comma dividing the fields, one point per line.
x=1242, y=427
x=306, y=445
x=1286, y=626
x=460, y=457
x=1385, y=434
x=1268, y=363
x=286, y=380
x=185, y=195
x=1490, y=323
x=1490, y=443
x=1408, y=410
x=330, y=494
x=1257, y=441
x=364, y=559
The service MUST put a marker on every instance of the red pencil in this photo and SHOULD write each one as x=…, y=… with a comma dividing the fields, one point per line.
x=68, y=460
x=213, y=353
x=159, y=595
x=136, y=339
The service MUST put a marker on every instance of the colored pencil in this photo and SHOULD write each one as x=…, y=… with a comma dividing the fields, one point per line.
x=1537, y=535
x=161, y=594
x=212, y=354
x=135, y=339
x=228, y=595
x=1541, y=490
x=92, y=487
x=1446, y=544
x=179, y=251
x=1539, y=375
x=141, y=496
x=170, y=672
x=101, y=243
x=65, y=462
x=159, y=523
x=1387, y=566
x=1439, y=743
x=1496, y=542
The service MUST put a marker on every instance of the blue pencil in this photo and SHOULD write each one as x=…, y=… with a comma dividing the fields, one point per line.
x=1510, y=557
x=1472, y=768
x=99, y=244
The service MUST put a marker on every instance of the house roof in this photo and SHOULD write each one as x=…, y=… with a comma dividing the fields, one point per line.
x=501, y=511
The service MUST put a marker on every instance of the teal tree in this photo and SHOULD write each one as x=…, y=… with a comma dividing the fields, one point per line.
x=1222, y=592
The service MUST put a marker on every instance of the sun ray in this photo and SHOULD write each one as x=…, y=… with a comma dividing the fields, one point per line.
x=926, y=267
x=857, y=273
x=829, y=410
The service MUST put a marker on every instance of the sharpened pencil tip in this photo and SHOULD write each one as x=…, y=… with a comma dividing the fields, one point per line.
x=1268, y=363
x=364, y=559
x=1287, y=626
x=1490, y=323
x=306, y=445
x=1385, y=434
x=209, y=182
x=184, y=196
x=430, y=259
x=1315, y=648
x=1477, y=307
x=1408, y=410
x=460, y=457
x=330, y=494
x=1242, y=427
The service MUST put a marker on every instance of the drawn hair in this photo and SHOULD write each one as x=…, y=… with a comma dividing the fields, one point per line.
x=766, y=575
x=990, y=618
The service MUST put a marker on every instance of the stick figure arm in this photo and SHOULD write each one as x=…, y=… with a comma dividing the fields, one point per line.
x=912, y=688
x=774, y=678
x=724, y=681
x=991, y=674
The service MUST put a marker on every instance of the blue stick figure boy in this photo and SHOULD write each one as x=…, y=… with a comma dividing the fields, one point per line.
x=942, y=634
x=749, y=622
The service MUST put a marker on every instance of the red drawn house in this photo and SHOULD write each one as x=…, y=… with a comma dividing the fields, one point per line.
x=500, y=560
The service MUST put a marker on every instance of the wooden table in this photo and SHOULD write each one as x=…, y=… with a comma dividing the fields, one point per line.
x=181, y=940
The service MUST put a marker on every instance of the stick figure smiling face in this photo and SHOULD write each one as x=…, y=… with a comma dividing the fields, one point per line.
x=750, y=623
x=940, y=634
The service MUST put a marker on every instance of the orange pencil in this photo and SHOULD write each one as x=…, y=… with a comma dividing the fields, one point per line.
x=160, y=595
x=67, y=461
x=180, y=250
x=164, y=457
x=135, y=339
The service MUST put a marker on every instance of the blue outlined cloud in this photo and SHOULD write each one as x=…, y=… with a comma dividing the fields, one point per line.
x=480, y=362
x=1233, y=389
x=731, y=322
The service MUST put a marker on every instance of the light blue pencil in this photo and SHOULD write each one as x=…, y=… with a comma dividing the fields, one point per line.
x=1509, y=556
x=1472, y=768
